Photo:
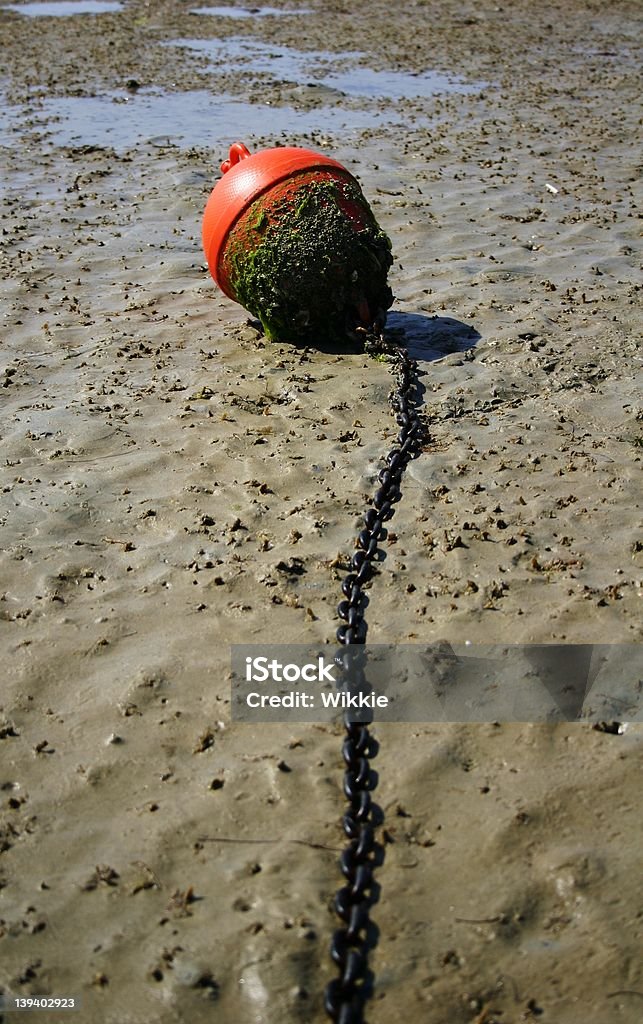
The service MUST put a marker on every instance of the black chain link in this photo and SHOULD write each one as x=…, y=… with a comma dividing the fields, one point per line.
x=346, y=995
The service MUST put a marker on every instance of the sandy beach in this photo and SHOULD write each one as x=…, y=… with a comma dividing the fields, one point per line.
x=172, y=484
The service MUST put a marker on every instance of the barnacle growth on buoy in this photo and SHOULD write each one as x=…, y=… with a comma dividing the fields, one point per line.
x=306, y=255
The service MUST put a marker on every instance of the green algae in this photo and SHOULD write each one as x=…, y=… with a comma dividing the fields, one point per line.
x=306, y=268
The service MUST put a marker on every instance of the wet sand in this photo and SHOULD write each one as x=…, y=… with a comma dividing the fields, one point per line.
x=173, y=484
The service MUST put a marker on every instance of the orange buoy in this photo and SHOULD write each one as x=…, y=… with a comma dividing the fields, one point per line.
x=288, y=234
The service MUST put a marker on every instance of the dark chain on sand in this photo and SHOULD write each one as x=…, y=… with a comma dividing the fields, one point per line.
x=346, y=995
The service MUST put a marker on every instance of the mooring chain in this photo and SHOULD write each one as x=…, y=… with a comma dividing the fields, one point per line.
x=345, y=995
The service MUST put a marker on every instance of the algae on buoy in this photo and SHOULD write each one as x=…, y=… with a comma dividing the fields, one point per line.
x=309, y=260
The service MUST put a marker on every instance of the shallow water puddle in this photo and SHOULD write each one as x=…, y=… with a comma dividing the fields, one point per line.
x=196, y=118
x=64, y=8
x=325, y=68
x=318, y=79
x=247, y=12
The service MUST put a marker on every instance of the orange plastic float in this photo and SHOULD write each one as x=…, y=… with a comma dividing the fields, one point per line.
x=288, y=234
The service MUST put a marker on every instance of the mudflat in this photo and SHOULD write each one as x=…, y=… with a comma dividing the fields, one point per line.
x=172, y=483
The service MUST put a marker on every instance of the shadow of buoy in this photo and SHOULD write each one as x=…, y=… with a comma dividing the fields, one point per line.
x=427, y=338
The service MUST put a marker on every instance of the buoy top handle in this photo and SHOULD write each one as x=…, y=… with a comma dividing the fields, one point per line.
x=237, y=152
